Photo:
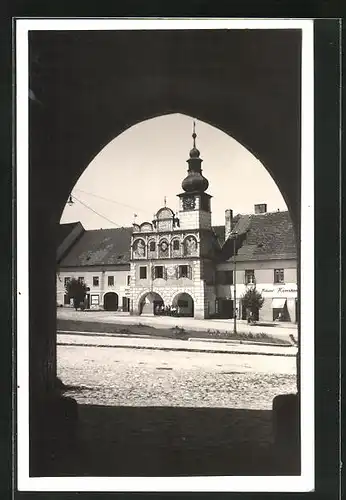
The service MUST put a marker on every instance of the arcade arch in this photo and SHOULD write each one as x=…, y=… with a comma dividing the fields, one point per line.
x=184, y=304
x=150, y=303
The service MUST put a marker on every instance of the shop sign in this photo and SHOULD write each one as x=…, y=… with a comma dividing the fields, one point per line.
x=280, y=290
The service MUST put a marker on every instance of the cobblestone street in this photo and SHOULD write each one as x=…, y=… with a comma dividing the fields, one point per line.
x=126, y=377
x=168, y=413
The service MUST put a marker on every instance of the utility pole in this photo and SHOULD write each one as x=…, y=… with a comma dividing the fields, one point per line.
x=234, y=284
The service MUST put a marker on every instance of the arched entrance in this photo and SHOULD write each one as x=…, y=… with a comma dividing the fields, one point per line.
x=184, y=304
x=150, y=304
x=111, y=301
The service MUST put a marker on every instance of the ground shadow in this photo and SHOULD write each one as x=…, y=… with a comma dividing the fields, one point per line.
x=170, y=441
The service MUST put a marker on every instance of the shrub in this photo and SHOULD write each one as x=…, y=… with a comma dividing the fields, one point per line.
x=252, y=300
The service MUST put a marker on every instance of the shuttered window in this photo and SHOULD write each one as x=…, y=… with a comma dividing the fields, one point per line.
x=184, y=271
x=158, y=272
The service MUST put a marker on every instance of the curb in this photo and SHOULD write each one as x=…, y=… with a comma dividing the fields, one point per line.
x=181, y=349
x=108, y=334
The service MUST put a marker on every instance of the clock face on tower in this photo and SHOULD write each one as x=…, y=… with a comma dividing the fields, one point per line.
x=189, y=203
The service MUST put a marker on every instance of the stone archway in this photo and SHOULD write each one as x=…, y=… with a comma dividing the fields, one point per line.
x=150, y=303
x=111, y=301
x=185, y=304
x=71, y=122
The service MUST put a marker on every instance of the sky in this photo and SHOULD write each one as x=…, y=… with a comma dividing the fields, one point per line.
x=146, y=163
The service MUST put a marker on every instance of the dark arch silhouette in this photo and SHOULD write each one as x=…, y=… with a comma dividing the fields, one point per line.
x=258, y=104
x=92, y=86
x=111, y=301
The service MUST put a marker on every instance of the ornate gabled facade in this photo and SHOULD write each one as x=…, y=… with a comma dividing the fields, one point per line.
x=173, y=257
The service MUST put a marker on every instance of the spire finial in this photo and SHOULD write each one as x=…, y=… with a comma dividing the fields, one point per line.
x=194, y=135
x=164, y=200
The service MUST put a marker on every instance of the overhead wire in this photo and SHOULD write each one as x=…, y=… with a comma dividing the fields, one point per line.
x=95, y=212
x=111, y=201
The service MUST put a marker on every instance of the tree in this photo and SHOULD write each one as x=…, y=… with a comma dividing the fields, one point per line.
x=252, y=300
x=76, y=290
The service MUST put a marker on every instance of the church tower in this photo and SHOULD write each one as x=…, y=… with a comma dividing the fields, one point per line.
x=194, y=204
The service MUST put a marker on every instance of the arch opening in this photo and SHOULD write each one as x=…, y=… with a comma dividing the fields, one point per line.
x=111, y=301
x=184, y=304
x=151, y=304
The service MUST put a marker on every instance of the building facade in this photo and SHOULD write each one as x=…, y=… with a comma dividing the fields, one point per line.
x=173, y=257
x=180, y=260
x=99, y=258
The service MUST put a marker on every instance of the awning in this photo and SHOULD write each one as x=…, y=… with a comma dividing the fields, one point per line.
x=278, y=303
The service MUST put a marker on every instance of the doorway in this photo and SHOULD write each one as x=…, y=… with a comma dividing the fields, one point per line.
x=111, y=301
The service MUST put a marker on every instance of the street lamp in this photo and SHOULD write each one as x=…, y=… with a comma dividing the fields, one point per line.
x=234, y=284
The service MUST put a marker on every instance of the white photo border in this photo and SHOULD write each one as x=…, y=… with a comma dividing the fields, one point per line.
x=306, y=481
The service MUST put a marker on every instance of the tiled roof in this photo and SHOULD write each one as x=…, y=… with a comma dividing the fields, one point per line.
x=262, y=236
x=100, y=247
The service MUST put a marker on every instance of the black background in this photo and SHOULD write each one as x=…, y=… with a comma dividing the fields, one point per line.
x=327, y=232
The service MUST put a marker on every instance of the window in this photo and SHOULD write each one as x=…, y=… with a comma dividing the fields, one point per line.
x=249, y=277
x=128, y=280
x=81, y=279
x=152, y=246
x=96, y=281
x=66, y=280
x=110, y=280
x=279, y=276
x=184, y=272
x=158, y=272
x=143, y=273
x=176, y=245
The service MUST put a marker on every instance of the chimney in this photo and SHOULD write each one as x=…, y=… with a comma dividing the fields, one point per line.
x=261, y=208
x=228, y=222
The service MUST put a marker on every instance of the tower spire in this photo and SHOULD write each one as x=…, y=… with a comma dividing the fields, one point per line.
x=194, y=135
x=195, y=182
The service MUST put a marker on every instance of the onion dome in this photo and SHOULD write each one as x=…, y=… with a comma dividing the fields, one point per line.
x=194, y=153
x=194, y=180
